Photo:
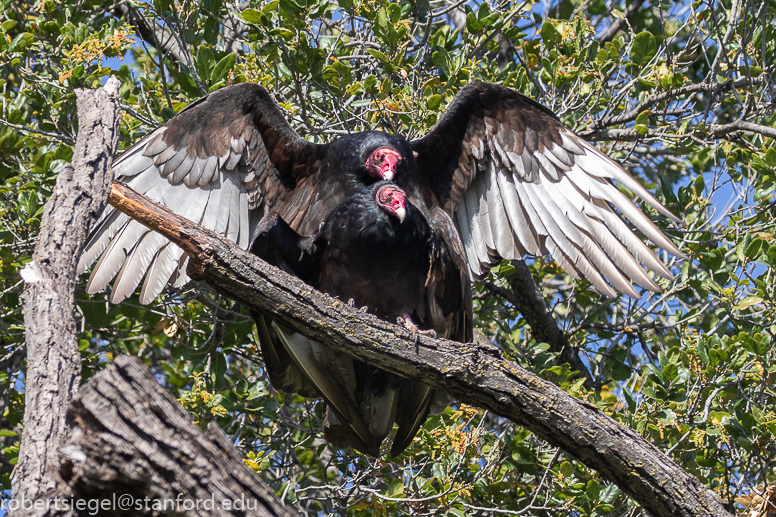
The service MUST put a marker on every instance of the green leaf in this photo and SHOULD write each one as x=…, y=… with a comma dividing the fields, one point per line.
x=21, y=42
x=703, y=352
x=755, y=71
x=484, y=11
x=772, y=255
x=283, y=33
x=506, y=268
x=770, y=157
x=670, y=371
x=379, y=55
x=473, y=25
x=443, y=62
x=629, y=399
x=161, y=6
x=755, y=248
x=609, y=494
x=251, y=16
x=4, y=432
x=223, y=67
x=699, y=185
x=382, y=22
x=395, y=489
x=748, y=301
x=204, y=62
x=566, y=469
x=291, y=8
x=593, y=490
x=550, y=35
x=218, y=368
x=269, y=7
x=643, y=117
x=643, y=49
x=434, y=101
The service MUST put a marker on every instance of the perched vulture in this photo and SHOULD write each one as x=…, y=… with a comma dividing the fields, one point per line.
x=511, y=176
x=381, y=252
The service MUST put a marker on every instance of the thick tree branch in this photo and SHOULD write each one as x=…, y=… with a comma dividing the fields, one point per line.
x=129, y=437
x=670, y=95
x=475, y=374
x=53, y=360
x=741, y=125
x=725, y=131
x=133, y=439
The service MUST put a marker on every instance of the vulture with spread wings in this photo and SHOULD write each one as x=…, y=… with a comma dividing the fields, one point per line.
x=511, y=176
x=502, y=167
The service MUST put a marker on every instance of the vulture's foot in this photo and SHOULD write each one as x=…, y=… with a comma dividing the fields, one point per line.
x=407, y=323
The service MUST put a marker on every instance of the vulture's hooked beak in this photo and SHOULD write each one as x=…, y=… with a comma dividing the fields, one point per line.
x=393, y=201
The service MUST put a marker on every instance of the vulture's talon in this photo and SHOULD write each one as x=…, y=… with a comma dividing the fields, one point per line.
x=407, y=323
x=364, y=309
x=351, y=303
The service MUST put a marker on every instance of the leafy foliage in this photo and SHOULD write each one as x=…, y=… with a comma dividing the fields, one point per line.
x=682, y=95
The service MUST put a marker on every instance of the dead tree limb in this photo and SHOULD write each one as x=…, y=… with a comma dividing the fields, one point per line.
x=131, y=438
x=53, y=360
x=475, y=374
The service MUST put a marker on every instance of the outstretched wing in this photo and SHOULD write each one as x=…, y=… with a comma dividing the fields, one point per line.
x=218, y=163
x=517, y=181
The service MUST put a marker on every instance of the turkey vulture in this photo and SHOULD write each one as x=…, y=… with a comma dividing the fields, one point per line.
x=381, y=252
x=512, y=177
x=503, y=167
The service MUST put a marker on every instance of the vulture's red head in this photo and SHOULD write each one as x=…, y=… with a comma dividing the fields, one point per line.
x=392, y=200
x=382, y=163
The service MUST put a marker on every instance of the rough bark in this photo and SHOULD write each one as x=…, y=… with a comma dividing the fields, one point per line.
x=123, y=435
x=53, y=360
x=132, y=440
x=475, y=374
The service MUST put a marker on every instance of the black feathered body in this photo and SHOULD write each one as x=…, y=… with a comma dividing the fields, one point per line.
x=376, y=260
x=497, y=177
x=394, y=269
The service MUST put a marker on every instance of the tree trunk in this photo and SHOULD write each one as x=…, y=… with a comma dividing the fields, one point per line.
x=134, y=450
x=53, y=360
x=475, y=374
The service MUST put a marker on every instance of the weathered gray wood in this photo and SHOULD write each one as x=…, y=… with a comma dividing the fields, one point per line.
x=53, y=360
x=136, y=448
x=476, y=374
